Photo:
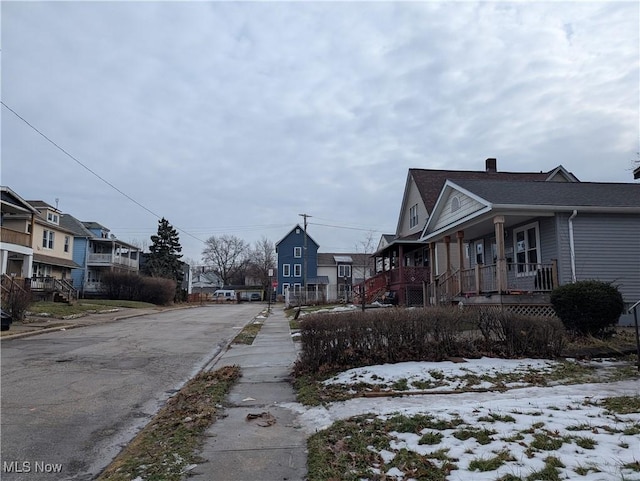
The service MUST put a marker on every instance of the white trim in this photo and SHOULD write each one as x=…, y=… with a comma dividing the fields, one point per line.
x=525, y=228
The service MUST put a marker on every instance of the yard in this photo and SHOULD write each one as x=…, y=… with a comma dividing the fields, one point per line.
x=484, y=419
x=477, y=418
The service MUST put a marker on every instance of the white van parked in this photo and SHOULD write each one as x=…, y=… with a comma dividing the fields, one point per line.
x=225, y=295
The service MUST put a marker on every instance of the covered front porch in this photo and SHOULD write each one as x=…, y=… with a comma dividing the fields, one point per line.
x=401, y=267
x=513, y=275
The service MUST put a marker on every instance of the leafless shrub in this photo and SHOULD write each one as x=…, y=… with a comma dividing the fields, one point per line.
x=352, y=339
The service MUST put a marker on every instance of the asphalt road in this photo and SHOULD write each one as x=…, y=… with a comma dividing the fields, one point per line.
x=72, y=399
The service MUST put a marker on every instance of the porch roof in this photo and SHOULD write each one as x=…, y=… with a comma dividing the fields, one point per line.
x=55, y=261
x=525, y=199
x=412, y=239
x=561, y=195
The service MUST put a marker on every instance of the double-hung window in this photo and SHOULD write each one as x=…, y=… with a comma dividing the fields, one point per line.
x=297, y=252
x=413, y=216
x=527, y=247
x=47, y=239
x=297, y=270
x=344, y=270
x=286, y=270
x=67, y=243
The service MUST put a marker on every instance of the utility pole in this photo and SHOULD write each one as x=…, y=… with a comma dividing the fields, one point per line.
x=304, y=266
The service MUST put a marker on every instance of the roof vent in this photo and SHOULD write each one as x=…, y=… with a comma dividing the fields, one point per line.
x=491, y=165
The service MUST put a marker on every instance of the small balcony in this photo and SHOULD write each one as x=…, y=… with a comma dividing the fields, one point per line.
x=107, y=260
x=14, y=237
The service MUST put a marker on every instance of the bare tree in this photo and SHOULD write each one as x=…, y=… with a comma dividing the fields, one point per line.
x=262, y=258
x=366, y=248
x=227, y=255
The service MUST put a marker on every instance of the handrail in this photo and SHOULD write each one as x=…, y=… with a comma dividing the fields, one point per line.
x=635, y=318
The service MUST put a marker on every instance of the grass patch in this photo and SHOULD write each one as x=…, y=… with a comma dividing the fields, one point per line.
x=248, y=333
x=549, y=472
x=622, y=404
x=482, y=436
x=167, y=444
x=493, y=417
x=60, y=310
x=544, y=442
x=586, y=443
x=491, y=464
x=431, y=438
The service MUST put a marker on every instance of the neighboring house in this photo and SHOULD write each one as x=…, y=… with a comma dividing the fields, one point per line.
x=526, y=238
x=97, y=251
x=52, y=249
x=16, y=245
x=206, y=283
x=343, y=272
x=404, y=262
x=298, y=263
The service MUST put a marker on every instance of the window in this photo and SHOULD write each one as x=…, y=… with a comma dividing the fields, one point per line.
x=455, y=203
x=413, y=216
x=53, y=218
x=285, y=287
x=286, y=270
x=297, y=270
x=47, y=239
x=67, y=243
x=527, y=241
x=344, y=270
x=297, y=252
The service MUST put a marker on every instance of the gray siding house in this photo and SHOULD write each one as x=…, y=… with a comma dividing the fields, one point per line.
x=520, y=239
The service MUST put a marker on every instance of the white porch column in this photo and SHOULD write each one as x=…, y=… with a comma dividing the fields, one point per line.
x=5, y=260
x=501, y=262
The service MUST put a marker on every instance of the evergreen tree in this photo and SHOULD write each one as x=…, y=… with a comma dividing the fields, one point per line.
x=164, y=257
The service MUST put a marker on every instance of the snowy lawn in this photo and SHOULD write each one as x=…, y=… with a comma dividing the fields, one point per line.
x=484, y=419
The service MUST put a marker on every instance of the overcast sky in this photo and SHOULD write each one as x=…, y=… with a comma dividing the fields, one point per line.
x=236, y=117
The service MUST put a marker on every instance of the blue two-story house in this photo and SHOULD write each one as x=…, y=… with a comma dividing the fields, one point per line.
x=97, y=251
x=298, y=263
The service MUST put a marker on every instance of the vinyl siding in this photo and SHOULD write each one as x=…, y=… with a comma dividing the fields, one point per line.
x=607, y=248
x=467, y=207
x=413, y=198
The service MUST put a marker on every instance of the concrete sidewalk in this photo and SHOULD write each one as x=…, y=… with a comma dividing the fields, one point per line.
x=255, y=439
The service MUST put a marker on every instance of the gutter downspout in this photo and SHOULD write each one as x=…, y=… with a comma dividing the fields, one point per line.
x=572, y=249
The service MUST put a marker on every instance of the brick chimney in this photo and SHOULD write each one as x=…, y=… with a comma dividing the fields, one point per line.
x=491, y=165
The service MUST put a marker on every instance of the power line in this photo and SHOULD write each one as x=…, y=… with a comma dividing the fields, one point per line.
x=91, y=171
x=346, y=227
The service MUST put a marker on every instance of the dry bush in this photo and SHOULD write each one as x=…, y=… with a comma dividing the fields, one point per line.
x=339, y=341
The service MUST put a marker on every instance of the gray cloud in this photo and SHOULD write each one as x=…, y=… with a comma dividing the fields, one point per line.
x=234, y=117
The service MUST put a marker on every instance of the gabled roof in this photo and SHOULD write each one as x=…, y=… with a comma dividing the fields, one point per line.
x=13, y=203
x=94, y=225
x=41, y=204
x=75, y=226
x=495, y=196
x=430, y=182
x=309, y=239
x=565, y=195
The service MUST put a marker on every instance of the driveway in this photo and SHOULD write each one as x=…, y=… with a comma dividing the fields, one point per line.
x=72, y=399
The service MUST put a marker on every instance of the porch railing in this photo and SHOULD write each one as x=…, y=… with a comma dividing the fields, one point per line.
x=109, y=259
x=483, y=279
x=14, y=237
x=52, y=285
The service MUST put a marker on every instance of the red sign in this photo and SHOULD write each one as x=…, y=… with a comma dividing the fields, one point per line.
x=274, y=284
